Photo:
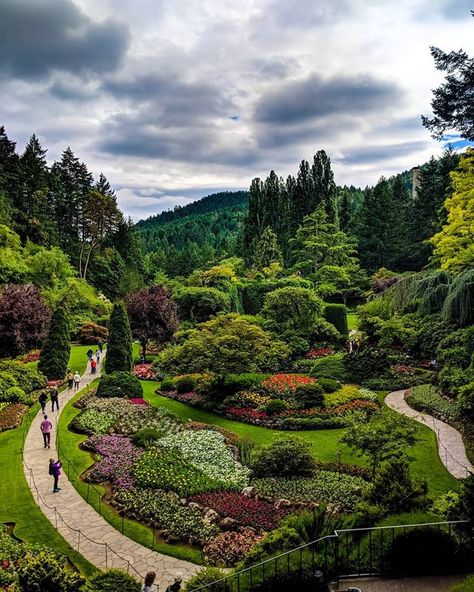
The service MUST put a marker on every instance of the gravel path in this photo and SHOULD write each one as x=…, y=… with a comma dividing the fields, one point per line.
x=450, y=445
x=78, y=522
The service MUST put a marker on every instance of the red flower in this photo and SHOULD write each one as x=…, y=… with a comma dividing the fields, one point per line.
x=144, y=371
x=281, y=384
x=321, y=352
x=138, y=401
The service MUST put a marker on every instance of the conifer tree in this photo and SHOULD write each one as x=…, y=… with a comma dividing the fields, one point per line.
x=323, y=186
x=267, y=250
x=54, y=357
x=119, y=344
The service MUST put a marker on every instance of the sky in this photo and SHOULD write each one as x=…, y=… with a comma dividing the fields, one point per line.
x=176, y=99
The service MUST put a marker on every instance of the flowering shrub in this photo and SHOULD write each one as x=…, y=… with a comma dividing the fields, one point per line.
x=117, y=456
x=11, y=416
x=247, y=511
x=145, y=371
x=32, y=356
x=321, y=352
x=191, y=398
x=246, y=414
x=285, y=384
x=163, y=511
x=207, y=450
x=55, y=383
x=228, y=548
x=163, y=468
x=91, y=421
x=251, y=399
x=342, y=490
x=346, y=394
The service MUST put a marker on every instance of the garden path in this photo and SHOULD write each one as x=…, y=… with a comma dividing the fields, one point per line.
x=450, y=445
x=83, y=528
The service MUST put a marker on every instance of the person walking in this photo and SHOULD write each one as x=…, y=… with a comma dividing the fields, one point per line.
x=149, y=581
x=100, y=345
x=93, y=366
x=176, y=585
x=77, y=381
x=42, y=399
x=46, y=427
x=54, y=399
x=70, y=379
x=90, y=353
x=55, y=471
x=97, y=357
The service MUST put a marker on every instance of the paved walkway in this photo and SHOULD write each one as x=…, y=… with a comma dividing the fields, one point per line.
x=82, y=527
x=450, y=445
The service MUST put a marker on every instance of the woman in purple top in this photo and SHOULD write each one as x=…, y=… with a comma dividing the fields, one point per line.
x=55, y=471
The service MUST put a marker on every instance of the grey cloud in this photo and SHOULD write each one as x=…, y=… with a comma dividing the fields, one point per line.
x=39, y=37
x=304, y=14
x=316, y=97
x=373, y=154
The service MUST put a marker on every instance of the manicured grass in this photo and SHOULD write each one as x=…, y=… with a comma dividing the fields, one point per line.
x=352, y=320
x=325, y=444
x=77, y=359
x=76, y=461
x=18, y=506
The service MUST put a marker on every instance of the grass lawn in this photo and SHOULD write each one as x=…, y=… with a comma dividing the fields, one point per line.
x=18, y=506
x=76, y=461
x=352, y=320
x=325, y=444
x=77, y=359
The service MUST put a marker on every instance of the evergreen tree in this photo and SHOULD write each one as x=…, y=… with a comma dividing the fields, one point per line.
x=323, y=186
x=54, y=357
x=344, y=210
x=267, y=250
x=402, y=249
x=9, y=169
x=119, y=345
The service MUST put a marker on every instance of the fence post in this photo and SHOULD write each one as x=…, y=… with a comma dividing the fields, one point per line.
x=56, y=517
x=336, y=560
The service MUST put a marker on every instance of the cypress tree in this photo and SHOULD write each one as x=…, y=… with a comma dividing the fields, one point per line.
x=54, y=357
x=119, y=345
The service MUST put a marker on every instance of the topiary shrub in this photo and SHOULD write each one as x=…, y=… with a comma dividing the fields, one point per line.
x=285, y=457
x=329, y=385
x=310, y=395
x=167, y=385
x=91, y=334
x=120, y=384
x=331, y=367
x=26, y=377
x=119, y=345
x=426, y=551
x=185, y=384
x=54, y=356
x=275, y=406
x=336, y=314
x=113, y=580
x=205, y=576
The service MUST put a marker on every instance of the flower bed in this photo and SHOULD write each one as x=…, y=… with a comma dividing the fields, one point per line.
x=12, y=415
x=321, y=352
x=144, y=371
x=340, y=490
x=32, y=356
x=428, y=398
x=245, y=510
x=207, y=450
x=283, y=385
x=117, y=456
x=228, y=548
x=164, y=511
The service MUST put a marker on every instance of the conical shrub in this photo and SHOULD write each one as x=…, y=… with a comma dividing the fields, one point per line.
x=119, y=345
x=54, y=357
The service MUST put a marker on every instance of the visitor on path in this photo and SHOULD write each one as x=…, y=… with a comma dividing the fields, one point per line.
x=55, y=471
x=90, y=353
x=100, y=345
x=46, y=427
x=93, y=366
x=97, y=357
x=70, y=379
x=77, y=381
x=42, y=399
x=149, y=581
x=176, y=585
x=54, y=399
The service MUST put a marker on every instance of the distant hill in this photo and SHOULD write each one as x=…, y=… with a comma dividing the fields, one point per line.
x=209, y=203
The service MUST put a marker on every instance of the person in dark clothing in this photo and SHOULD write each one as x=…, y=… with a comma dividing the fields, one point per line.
x=90, y=353
x=100, y=345
x=176, y=585
x=55, y=471
x=43, y=398
x=54, y=399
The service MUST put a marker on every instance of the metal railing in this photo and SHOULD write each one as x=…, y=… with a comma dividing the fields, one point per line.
x=347, y=553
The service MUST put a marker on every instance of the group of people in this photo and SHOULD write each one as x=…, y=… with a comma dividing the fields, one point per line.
x=150, y=581
x=94, y=359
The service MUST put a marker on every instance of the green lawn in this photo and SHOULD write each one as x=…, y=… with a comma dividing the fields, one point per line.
x=325, y=444
x=77, y=359
x=352, y=320
x=76, y=461
x=18, y=506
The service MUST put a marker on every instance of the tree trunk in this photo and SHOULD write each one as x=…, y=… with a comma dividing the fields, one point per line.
x=87, y=260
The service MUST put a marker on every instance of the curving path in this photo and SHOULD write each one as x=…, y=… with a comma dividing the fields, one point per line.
x=83, y=528
x=450, y=445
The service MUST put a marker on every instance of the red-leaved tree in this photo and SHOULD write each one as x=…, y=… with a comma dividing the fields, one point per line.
x=153, y=316
x=24, y=319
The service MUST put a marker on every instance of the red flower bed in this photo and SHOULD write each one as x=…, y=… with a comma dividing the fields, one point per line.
x=138, y=401
x=321, y=352
x=281, y=384
x=55, y=383
x=247, y=511
x=32, y=356
x=246, y=413
x=144, y=371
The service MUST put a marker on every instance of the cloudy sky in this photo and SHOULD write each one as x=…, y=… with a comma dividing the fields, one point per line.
x=175, y=99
